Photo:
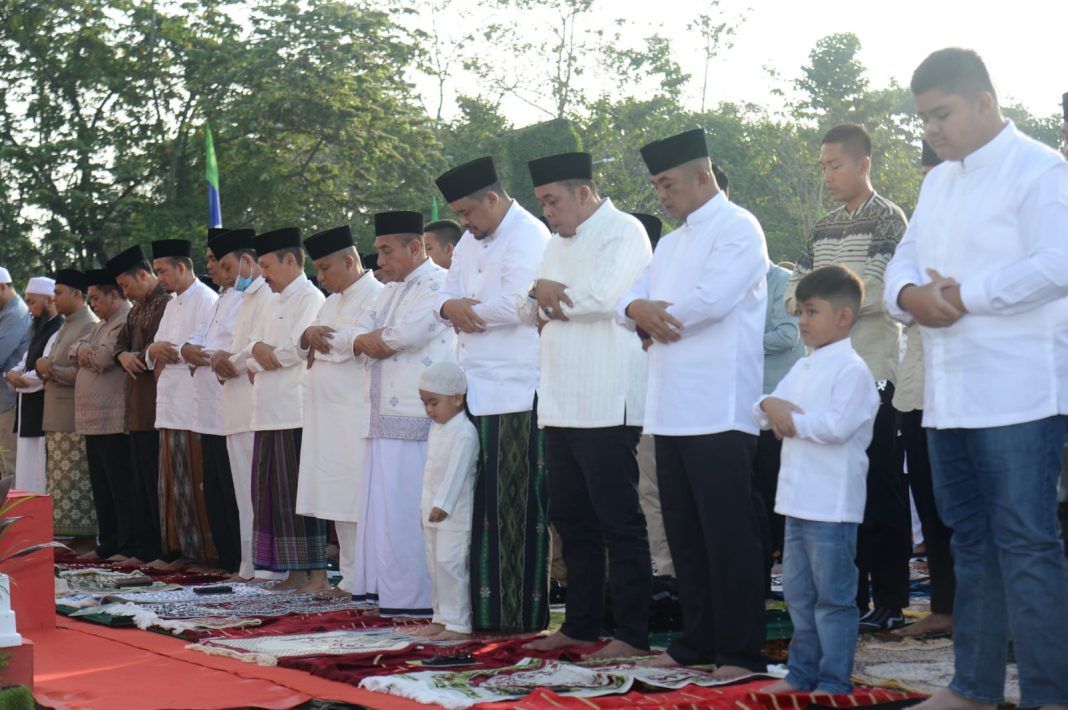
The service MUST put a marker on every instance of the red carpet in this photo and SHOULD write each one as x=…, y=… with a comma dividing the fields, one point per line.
x=82, y=665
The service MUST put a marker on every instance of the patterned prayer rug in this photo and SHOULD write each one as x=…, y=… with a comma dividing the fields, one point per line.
x=266, y=650
x=252, y=605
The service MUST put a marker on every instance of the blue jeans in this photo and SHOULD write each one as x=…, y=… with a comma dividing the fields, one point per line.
x=997, y=489
x=819, y=579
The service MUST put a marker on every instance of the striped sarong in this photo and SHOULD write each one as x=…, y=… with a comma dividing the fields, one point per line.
x=281, y=539
x=183, y=517
x=510, y=531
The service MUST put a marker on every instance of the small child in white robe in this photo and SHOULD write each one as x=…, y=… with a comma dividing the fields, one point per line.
x=448, y=499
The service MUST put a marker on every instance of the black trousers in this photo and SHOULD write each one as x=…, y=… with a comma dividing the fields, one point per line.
x=936, y=535
x=766, y=469
x=144, y=475
x=593, y=502
x=108, y=456
x=713, y=533
x=221, y=501
x=884, y=542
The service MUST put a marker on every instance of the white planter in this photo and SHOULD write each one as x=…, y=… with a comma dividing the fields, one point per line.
x=8, y=635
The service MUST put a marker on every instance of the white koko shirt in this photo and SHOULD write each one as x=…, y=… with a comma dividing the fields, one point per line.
x=449, y=476
x=997, y=222
x=256, y=301
x=712, y=270
x=216, y=333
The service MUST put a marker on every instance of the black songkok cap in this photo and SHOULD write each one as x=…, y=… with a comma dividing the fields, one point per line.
x=557, y=168
x=99, y=277
x=284, y=238
x=214, y=232
x=1064, y=104
x=400, y=222
x=653, y=226
x=327, y=242
x=466, y=179
x=929, y=158
x=126, y=260
x=672, y=152
x=172, y=248
x=231, y=241
x=72, y=278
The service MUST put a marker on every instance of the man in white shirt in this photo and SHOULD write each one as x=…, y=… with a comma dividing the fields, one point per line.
x=14, y=339
x=184, y=530
x=335, y=404
x=983, y=269
x=236, y=261
x=213, y=334
x=282, y=540
x=591, y=401
x=702, y=301
x=397, y=338
x=491, y=271
x=440, y=238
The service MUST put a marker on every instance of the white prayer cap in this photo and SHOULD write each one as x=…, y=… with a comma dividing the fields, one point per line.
x=444, y=378
x=42, y=286
x=5, y=277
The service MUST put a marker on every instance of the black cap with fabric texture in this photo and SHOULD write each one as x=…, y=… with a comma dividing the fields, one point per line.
x=672, y=152
x=231, y=241
x=172, y=248
x=126, y=260
x=653, y=226
x=466, y=179
x=72, y=278
x=328, y=241
x=214, y=232
x=928, y=157
x=557, y=168
x=284, y=238
x=398, y=222
x=99, y=277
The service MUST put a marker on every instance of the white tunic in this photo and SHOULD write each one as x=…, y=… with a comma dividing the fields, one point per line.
x=256, y=300
x=335, y=412
x=824, y=471
x=278, y=395
x=449, y=476
x=215, y=333
x=174, y=388
x=995, y=222
x=502, y=362
x=593, y=369
x=712, y=269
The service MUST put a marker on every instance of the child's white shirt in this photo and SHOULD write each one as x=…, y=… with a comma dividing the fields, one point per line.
x=824, y=469
x=449, y=476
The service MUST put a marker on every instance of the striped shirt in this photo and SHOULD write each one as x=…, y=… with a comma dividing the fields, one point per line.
x=864, y=241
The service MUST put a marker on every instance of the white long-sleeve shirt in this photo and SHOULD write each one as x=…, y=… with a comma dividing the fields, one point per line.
x=593, y=370
x=502, y=362
x=256, y=301
x=449, y=476
x=995, y=222
x=278, y=395
x=174, y=388
x=712, y=270
x=215, y=333
x=824, y=470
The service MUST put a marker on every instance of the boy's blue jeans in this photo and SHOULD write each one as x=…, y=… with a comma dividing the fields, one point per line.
x=819, y=580
x=997, y=489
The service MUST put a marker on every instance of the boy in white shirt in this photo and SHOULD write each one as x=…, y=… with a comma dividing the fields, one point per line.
x=823, y=411
x=448, y=499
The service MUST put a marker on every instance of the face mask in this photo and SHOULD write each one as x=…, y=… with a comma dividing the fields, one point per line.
x=243, y=282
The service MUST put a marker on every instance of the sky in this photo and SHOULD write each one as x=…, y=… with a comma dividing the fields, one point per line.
x=1023, y=42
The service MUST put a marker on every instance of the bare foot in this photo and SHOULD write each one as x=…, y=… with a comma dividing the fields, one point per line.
x=117, y=558
x=318, y=586
x=447, y=635
x=156, y=564
x=238, y=579
x=930, y=624
x=426, y=631
x=90, y=556
x=946, y=699
x=727, y=673
x=130, y=563
x=780, y=686
x=661, y=661
x=616, y=649
x=295, y=580
x=555, y=641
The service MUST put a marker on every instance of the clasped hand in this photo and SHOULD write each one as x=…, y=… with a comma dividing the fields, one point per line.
x=935, y=305
x=652, y=318
x=781, y=416
x=461, y=313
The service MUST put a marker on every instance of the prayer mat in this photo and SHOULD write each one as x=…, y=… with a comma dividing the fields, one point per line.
x=260, y=605
x=462, y=689
x=186, y=594
x=266, y=650
x=145, y=618
x=96, y=579
x=67, y=472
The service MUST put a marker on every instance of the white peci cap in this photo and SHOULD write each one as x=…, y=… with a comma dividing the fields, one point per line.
x=5, y=277
x=444, y=378
x=41, y=286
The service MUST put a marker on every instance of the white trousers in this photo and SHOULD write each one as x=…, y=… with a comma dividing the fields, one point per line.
x=390, y=550
x=448, y=555
x=649, y=499
x=346, y=543
x=240, y=447
x=30, y=458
